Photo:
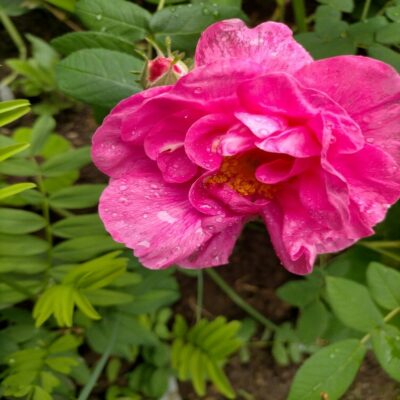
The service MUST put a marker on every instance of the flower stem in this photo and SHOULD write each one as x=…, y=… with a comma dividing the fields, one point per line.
x=299, y=10
x=239, y=301
x=161, y=4
x=365, y=11
x=387, y=318
x=200, y=292
x=14, y=35
x=87, y=389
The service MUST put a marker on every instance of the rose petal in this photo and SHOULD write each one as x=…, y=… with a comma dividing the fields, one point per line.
x=270, y=44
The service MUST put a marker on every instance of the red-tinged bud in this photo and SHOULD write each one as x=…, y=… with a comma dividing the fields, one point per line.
x=163, y=71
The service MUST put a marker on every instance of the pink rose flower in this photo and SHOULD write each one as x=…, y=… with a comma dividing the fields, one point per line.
x=256, y=129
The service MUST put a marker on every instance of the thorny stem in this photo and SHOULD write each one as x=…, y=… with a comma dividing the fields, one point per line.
x=299, y=11
x=364, y=14
x=239, y=301
x=200, y=292
x=387, y=318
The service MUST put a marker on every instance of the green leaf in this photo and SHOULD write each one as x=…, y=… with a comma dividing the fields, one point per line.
x=22, y=265
x=320, y=48
x=184, y=24
x=385, y=54
x=341, y=5
x=386, y=345
x=389, y=34
x=41, y=130
x=98, y=76
x=299, y=293
x=66, y=162
x=61, y=364
x=67, y=5
x=12, y=109
x=64, y=343
x=80, y=225
x=393, y=13
x=384, y=283
x=13, y=8
x=19, y=167
x=21, y=245
x=328, y=23
x=44, y=55
x=330, y=371
x=120, y=18
x=15, y=189
x=8, y=151
x=105, y=297
x=78, y=196
x=74, y=41
x=352, y=304
x=84, y=248
x=313, y=322
x=363, y=33
x=219, y=379
x=19, y=221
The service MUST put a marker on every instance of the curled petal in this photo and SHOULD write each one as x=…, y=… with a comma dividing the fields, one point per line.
x=261, y=126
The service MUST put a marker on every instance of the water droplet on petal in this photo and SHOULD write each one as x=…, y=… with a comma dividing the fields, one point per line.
x=370, y=140
x=123, y=187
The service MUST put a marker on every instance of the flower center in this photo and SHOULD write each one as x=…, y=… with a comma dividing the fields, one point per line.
x=238, y=172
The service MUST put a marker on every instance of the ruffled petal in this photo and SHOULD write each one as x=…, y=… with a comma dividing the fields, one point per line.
x=175, y=166
x=203, y=137
x=261, y=125
x=283, y=169
x=216, y=251
x=153, y=218
x=237, y=140
x=109, y=153
x=270, y=44
x=368, y=89
x=297, y=142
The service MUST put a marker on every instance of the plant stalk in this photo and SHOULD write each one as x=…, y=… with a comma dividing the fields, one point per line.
x=161, y=4
x=365, y=11
x=14, y=35
x=239, y=301
x=299, y=10
x=200, y=294
x=91, y=383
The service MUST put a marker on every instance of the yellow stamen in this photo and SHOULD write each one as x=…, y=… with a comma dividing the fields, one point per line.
x=238, y=172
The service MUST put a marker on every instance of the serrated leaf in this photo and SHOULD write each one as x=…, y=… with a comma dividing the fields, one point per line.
x=299, y=293
x=313, y=322
x=98, y=76
x=389, y=34
x=384, y=283
x=78, y=196
x=18, y=222
x=352, y=304
x=393, y=13
x=120, y=18
x=363, y=32
x=341, y=5
x=330, y=371
x=386, y=55
x=386, y=345
x=75, y=41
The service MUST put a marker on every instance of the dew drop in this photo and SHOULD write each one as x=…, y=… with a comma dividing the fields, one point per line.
x=206, y=11
x=99, y=17
x=123, y=187
x=197, y=90
x=370, y=140
x=145, y=215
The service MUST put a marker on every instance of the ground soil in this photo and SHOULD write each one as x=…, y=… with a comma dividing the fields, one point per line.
x=254, y=271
